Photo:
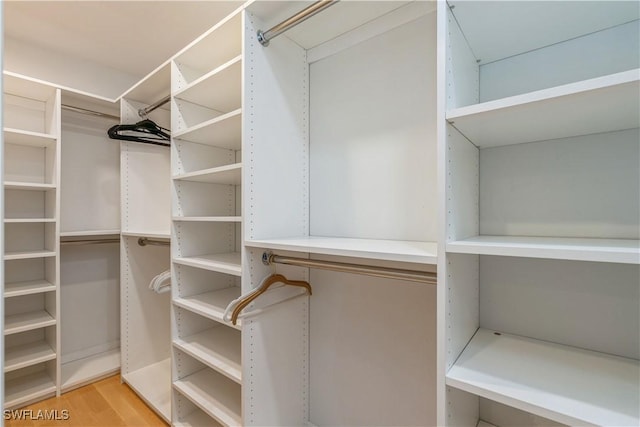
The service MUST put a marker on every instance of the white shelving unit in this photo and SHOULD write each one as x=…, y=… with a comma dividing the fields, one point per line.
x=146, y=213
x=340, y=164
x=532, y=250
x=31, y=113
x=207, y=181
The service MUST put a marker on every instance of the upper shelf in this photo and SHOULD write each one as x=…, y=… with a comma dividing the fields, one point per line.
x=223, y=131
x=219, y=89
x=533, y=24
x=229, y=175
x=577, y=249
x=388, y=250
x=603, y=104
x=29, y=139
x=565, y=384
x=27, y=87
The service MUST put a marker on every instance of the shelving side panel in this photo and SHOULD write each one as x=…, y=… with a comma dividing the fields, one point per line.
x=610, y=51
x=90, y=187
x=549, y=188
x=372, y=170
x=275, y=137
x=462, y=186
x=513, y=290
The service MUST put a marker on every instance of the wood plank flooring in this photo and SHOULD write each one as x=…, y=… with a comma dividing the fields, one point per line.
x=106, y=403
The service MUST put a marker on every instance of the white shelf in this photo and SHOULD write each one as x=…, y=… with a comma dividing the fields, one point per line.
x=27, y=355
x=27, y=138
x=29, y=388
x=577, y=249
x=27, y=321
x=30, y=186
x=229, y=175
x=153, y=384
x=207, y=218
x=43, y=253
x=211, y=304
x=28, y=220
x=219, y=89
x=84, y=371
x=148, y=235
x=89, y=233
x=218, y=348
x=224, y=131
x=603, y=104
x=197, y=419
x=389, y=250
x=16, y=289
x=565, y=384
x=216, y=395
x=227, y=263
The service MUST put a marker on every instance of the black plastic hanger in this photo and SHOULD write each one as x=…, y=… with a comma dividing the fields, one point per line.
x=145, y=131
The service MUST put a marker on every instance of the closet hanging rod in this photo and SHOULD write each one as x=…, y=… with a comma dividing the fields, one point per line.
x=142, y=112
x=367, y=270
x=89, y=112
x=144, y=241
x=303, y=15
x=88, y=242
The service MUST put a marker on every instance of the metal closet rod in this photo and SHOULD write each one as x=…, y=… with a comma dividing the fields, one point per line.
x=144, y=241
x=303, y=15
x=89, y=112
x=142, y=112
x=88, y=242
x=367, y=270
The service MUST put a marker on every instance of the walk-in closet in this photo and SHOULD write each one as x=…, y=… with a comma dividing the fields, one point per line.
x=324, y=213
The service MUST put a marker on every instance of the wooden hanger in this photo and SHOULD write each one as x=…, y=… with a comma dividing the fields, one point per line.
x=266, y=283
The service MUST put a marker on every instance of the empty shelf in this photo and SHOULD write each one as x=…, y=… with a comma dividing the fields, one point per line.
x=153, y=384
x=90, y=233
x=43, y=253
x=577, y=249
x=22, y=390
x=197, y=418
x=27, y=355
x=219, y=89
x=28, y=138
x=216, y=395
x=211, y=304
x=223, y=131
x=17, y=289
x=565, y=384
x=218, y=348
x=208, y=218
x=603, y=104
x=228, y=263
x=27, y=220
x=87, y=370
x=27, y=321
x=389, y=250
x=32, y=186
x=229, y=175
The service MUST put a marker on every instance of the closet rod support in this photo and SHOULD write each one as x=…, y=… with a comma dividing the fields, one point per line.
x=303, y=15
x=142, y=112
x=144, y=241
x=269, y=258
x=88, y=242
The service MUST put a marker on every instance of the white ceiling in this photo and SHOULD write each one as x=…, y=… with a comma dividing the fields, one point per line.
x=131, y=36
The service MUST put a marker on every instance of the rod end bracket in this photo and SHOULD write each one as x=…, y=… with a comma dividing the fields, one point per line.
x=262, y=38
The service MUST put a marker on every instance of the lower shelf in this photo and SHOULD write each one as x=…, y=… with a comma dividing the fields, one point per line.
x=565, y=384
x=27, y=321
x=197, y=419
x=211, y=304
x=23, y=390
x=216, y=395
x=84, y=371
x=17, y=289
x=153, y=384
x=27, y=355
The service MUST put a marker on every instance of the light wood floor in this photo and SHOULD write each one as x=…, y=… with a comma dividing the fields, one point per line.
x=105, y=403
